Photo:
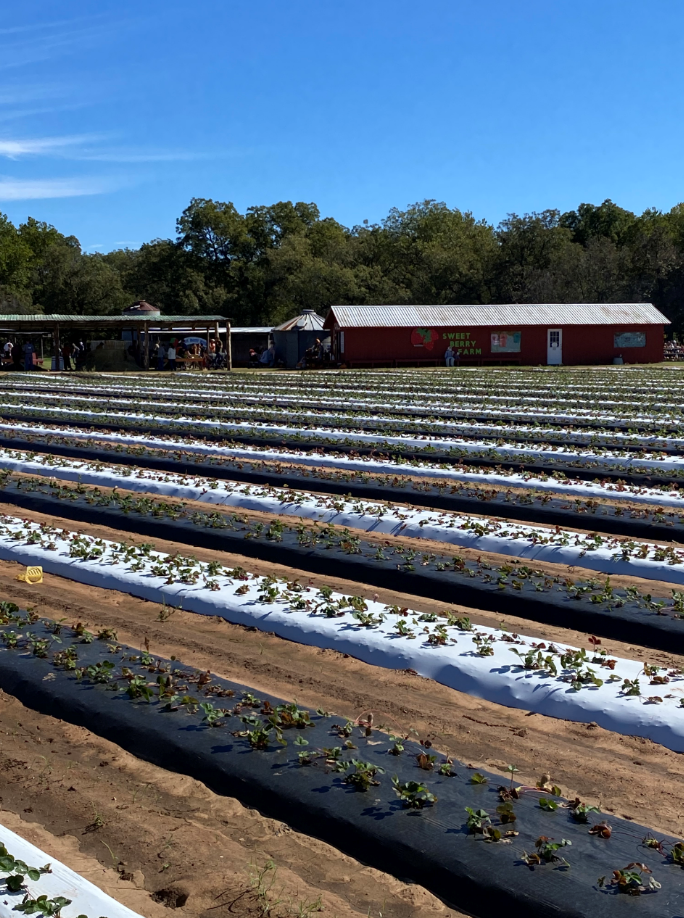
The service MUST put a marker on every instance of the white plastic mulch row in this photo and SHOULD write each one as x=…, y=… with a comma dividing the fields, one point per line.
x=414, y=468
x=605, y=554
x=305, y=414
x=435, y=650
x=422, y=468
x=489, y=386
x=444, y=405
x=379, y=440
x=86, y=898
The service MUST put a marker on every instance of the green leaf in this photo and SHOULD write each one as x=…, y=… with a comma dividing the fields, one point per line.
x=477, y=778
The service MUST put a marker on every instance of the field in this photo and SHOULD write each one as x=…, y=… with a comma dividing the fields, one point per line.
x=459, y=594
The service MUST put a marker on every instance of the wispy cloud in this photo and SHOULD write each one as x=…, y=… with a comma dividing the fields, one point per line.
x=12, y=189
x=139, y=156
x=41, y=41
x=83, y=149
x=21, y=93
x=40, y=146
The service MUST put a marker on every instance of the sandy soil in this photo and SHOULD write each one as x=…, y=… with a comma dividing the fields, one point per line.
x=165, y=841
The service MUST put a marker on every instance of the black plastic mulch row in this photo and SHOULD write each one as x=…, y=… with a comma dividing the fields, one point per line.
x=630, y=623
x=458, y=415
x=551, y=513
x=431, y=846
x=585, y=472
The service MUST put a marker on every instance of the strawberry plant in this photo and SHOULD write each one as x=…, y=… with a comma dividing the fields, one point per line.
x=547, y=852
x=17, y=870
x=549, y=805
x=212, y=717
x=100, y=673
x=42, y=905
x=506, y=813
x=364, y=775
x=426, y=761
x=138, y=688
x=632, y=880
x=413, y=794
x=477, y=820
x=477, y=778
x=580, y=811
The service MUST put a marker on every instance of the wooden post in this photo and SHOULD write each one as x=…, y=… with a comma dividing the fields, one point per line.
x=217, y=340
x=229, y=349
x=58, y=350
x=146, y=361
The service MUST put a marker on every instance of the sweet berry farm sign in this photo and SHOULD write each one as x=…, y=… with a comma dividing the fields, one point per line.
x=461, y=340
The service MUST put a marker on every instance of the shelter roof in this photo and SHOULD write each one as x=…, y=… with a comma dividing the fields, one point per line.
x=39, y=321
x=511, y=314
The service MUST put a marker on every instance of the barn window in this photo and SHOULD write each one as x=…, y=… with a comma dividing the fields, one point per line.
x=506, y=342
x=630, y=339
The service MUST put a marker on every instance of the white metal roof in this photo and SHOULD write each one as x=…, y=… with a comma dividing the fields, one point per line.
x=252, y=330
x=505, y=315
x=307, y=321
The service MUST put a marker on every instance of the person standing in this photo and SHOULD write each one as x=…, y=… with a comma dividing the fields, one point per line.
x=171, y=357
x=66, y=355
x=81, y=352
x=449, y=356
x=161, y=356
x=28, y=356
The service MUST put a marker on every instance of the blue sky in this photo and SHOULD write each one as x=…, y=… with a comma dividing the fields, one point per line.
x=114, y=115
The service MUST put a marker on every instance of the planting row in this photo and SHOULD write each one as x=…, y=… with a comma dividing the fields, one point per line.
x=397, y=472
x=636, y=519
x=560, y=681
x=372, y=418
x=637, y=385
x=453, y=447
x=632, y=415
x=507, y=589
x=485, y=844
x=609, y=555
x=344, y=420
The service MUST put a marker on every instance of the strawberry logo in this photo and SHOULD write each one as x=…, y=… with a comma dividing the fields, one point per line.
x=424, y=337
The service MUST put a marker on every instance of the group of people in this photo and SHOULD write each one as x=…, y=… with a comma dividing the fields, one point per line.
x=317, y=355
x=74, y=354
x=673, y=350
x=165, y=356
x=265, y=359
x=14, y=355
x=13, y=352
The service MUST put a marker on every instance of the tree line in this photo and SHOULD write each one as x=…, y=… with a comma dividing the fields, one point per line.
x=265, y=265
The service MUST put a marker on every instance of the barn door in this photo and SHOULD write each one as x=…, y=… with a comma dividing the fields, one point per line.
x=554, y=346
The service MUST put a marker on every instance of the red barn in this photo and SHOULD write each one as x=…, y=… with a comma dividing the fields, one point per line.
x=557, y=333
